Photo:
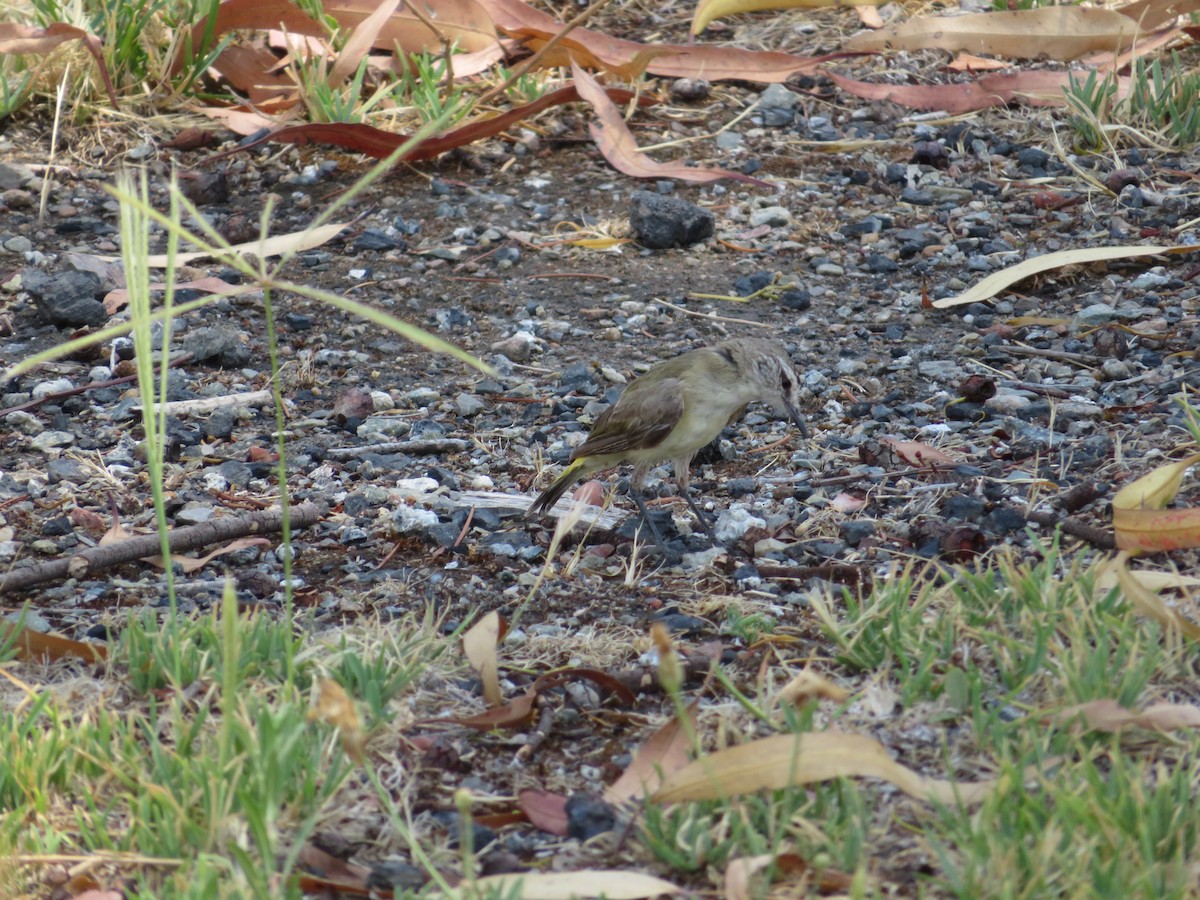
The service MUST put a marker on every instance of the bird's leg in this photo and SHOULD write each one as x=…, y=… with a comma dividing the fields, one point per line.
x=683, y=480
x=635, y=493
x=700, y=517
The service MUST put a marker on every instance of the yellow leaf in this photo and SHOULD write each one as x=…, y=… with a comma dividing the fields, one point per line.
x=1053, y=32
x=711, y=10
x=1149, y=604
x=998, y=281
x=1156, y=489
x=479, y=645
x=786, y=760
x=613, y=884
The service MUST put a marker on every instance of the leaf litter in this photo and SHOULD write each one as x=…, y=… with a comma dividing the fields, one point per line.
x=753, y=763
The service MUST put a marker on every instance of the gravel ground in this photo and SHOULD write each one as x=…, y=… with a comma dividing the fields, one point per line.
x=1039, y=405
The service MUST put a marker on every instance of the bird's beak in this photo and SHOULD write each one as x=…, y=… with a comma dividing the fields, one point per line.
x=797, y=418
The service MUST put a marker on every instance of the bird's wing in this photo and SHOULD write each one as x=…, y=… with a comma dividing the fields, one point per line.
x=639, y=420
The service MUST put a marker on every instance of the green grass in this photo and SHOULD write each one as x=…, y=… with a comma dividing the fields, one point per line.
x=1160, y=108
x=217, y=781
x=974, y=663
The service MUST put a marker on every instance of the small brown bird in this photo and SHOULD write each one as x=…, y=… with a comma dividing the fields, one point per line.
x=678, y=407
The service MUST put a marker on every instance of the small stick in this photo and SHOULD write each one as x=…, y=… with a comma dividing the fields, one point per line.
x=96, y=559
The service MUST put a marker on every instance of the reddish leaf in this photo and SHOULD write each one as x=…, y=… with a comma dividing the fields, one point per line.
x=465, y=21
x=19, y=39
x=381, y=144
x=535, y=28
x=617, y=143
x=35, y=645
x=545, y=810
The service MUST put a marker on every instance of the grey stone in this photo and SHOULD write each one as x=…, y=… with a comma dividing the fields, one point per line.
x=774, y=216
x=66, y=298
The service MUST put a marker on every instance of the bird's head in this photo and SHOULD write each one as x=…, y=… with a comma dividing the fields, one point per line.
x=773, y=375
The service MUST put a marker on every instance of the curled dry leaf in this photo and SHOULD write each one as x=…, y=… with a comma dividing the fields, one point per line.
x=36, y=645
x=1155, y=13
x=664, y=752
x=22, y=39
x=535, y=28
x=1140, y=522
x=787, y=760
x=617, y=143
x=479, y=645
x=1148, y=603
x=1037, y=87
x=710, y=10
x=334, y=706
x=808, y=685
x=1053, y=32
x=918, y=454
x=464, y=22
x=1109, y=716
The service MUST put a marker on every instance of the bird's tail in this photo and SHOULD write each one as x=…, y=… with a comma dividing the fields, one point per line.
x=547, y=498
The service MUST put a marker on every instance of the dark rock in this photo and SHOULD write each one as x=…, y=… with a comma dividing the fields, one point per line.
x=67, y=298
x=219, y=424
x=745, y=285
x=963, y=506
x=740, y=487
x=588, y=816
x=856, y=530
x=65, y=469
x=375, y=239
x=660, y=222
x=795, y=299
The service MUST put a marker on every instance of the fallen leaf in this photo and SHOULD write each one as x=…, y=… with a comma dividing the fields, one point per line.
x=464, y=22
x=535, y=28
x=479, y=646
x=334, y=706
x=1140, y=521
x=1052, y=32
x=788, y=760
x=993, y=284
x=379, y=144
x=916, y=453
x=544, y=810
x=617, y=143
x=711, y=10
x=32, y=645
x=273, y=246
x=118, y=299
x=969, y=62
x=1037, y=87
x=1110, y=716
x=612, y=884
x=1149, y=604
x=189, y=564
x=21, y=39
x=810, y=685
x=664, y=752
x=1150, y=14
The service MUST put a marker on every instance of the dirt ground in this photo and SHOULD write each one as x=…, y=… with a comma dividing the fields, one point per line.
x=880, y=212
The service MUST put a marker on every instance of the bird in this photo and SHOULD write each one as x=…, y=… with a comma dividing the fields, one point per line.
x=675, y=409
